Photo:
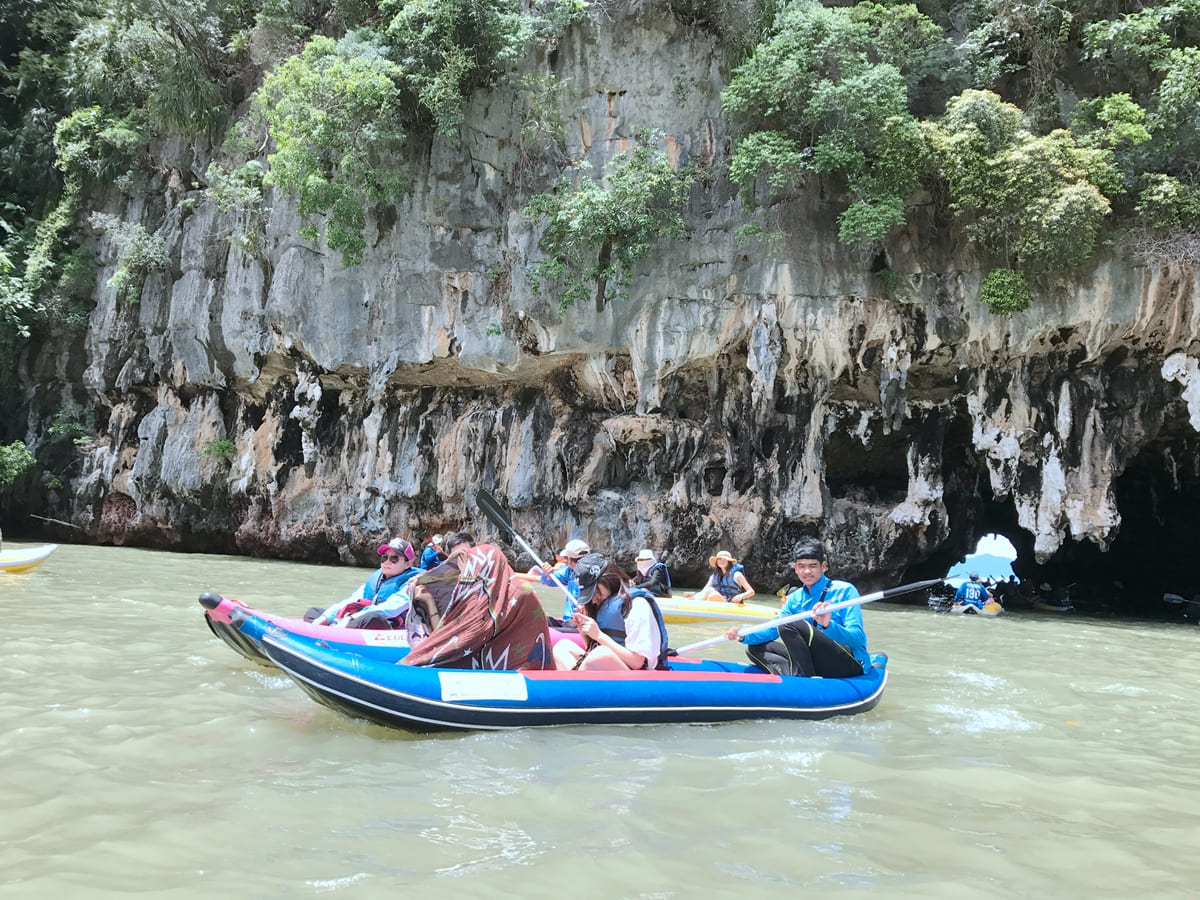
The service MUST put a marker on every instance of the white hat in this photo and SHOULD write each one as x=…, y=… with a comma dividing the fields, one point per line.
x=575, y=549
x=645, y=555
x=436, y=539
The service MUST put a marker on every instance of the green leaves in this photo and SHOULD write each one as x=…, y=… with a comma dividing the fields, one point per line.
x=1033, y=202
x=597, y=230
x=334, y=113
x=829, y=94
x=15, y=459
x=1005, y=291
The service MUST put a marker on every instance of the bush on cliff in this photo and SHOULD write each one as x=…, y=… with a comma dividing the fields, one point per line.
x=597, y=229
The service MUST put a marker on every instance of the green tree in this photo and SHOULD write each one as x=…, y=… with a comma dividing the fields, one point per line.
x=828, y=94
x=15, y=459
x=335, y=113
x=597, y=229
x=1034, y=203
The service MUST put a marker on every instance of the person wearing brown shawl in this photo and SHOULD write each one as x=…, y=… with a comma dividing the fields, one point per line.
x=481, y=618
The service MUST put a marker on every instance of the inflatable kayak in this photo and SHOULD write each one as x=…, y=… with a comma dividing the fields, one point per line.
x=23, y=559
x=677, y=609
x=242, y=627
x=420, y=698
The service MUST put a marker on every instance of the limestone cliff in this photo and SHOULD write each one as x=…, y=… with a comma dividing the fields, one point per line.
x=741, y=396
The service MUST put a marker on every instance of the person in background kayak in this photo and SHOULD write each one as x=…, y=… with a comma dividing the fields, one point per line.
x=972, y=593
x=370, y=606
x=830, y=644
x=433, y=554
x=728, y=581
x=565, y=572
x=652, y=574
x=622, y=625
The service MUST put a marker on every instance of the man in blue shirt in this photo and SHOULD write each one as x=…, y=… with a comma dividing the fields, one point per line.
x=972, y=593
x=830, y=644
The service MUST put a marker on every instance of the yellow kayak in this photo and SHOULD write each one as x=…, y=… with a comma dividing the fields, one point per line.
x=678, y=609
x=22, y=559
x=989, y=611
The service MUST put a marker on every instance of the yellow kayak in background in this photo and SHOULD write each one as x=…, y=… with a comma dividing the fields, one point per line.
x=22, y=559
x=678, y=609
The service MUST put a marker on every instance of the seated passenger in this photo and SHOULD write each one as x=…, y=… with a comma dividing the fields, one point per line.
x=379, y=603
x=652, y=574
x=728, y=581
x=830, y=644
x=480, y=616
x=433, y=554
x=971, y=593
x=565, y=573
x=621, y=625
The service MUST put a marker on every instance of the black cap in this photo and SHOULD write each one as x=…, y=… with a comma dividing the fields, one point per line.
x=587, y=573
x=809, y=548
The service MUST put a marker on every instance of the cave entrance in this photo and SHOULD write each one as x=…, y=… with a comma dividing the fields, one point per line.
x=992, y=561
x=1154, y=552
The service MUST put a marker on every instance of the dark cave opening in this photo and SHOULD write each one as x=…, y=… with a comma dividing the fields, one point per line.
x=1151, y=554
x=1154, y=551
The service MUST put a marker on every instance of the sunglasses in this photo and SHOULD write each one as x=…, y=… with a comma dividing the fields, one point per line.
x=392, y=557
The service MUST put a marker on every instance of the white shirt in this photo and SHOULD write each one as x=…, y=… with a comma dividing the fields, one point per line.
x=641, y=631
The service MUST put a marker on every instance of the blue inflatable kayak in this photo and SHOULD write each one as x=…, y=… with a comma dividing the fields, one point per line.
x=419, y=698
x=242, y=627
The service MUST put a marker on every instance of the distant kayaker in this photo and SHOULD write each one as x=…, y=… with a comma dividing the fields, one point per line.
x=652, y=574
x=972, y=593
x=830, y=644
x=433, y=554
x=565, y=571
x=727, y=582
x=622, y=625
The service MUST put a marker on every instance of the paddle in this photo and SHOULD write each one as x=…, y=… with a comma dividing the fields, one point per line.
x=491, y=508
x=808, y=613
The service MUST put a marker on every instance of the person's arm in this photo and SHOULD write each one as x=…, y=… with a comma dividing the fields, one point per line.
x=846, y=625
x=393, y=607
x=331, y=613
x=658, y=582
x=793, y=604
x=588, y=628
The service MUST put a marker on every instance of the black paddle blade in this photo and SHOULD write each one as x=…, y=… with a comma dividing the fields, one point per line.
x=490, y=507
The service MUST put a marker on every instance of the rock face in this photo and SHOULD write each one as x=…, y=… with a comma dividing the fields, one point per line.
x=741, y=396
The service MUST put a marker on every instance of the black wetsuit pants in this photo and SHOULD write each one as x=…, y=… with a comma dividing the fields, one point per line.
x=803, y=649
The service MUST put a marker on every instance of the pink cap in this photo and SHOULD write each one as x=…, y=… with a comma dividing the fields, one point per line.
x=400, y=545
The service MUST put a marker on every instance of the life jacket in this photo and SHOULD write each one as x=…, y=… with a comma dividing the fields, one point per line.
x=666, y=575
x=611, y=622
x=377, y=589
x=724, y=583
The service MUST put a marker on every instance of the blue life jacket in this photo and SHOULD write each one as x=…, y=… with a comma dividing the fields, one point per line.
x=724, y=583
x=612, y=623
x=377, y=589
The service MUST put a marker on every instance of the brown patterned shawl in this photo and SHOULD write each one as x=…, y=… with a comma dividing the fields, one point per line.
x=490, y=622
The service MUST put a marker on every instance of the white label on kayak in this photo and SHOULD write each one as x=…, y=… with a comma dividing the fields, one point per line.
x=385, y=637
x=467, y=685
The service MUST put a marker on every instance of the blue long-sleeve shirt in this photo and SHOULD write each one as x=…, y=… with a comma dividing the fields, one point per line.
x=971, y=593
x=566, y=576
x=845, y=625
